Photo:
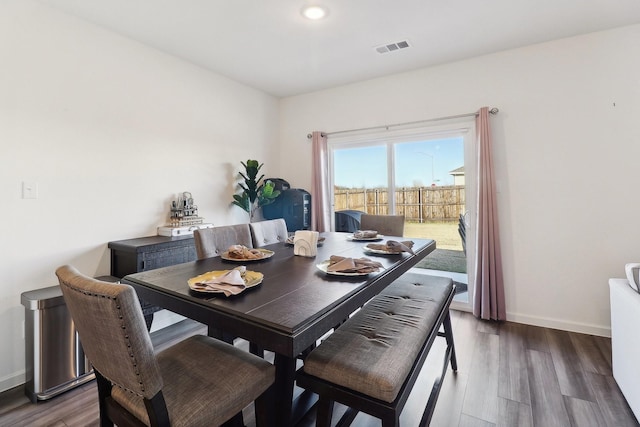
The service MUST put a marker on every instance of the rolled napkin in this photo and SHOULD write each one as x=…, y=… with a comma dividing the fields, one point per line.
x=392, y=246
x=365, y=234
x=352, y=265
x=231, y=283
x=305, y=243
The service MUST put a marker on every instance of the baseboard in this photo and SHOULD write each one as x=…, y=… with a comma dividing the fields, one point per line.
x=563, y=325
x=544, y=322
x=11, y=381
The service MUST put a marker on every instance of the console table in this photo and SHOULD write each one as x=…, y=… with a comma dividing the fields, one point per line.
x=148, y=253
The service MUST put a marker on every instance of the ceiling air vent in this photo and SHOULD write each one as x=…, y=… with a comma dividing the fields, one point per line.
x=390, y=47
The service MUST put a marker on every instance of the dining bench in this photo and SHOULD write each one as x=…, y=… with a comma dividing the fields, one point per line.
x=371, y=362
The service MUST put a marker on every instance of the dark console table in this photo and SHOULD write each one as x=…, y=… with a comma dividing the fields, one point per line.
x=148, y=253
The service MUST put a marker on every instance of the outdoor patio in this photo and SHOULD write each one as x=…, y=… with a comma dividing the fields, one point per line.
x=448, y=259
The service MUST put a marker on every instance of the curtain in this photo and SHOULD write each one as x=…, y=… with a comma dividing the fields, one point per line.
x=320, y=204
x=488, y=301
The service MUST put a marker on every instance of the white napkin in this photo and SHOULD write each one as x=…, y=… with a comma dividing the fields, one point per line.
x=305, y=243
x=230, y=283
x=400, y=246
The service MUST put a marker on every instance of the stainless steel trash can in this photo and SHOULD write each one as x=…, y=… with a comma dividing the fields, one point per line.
x=55, y=360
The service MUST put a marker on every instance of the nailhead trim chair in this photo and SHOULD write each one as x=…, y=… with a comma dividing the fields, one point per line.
x=200, y=381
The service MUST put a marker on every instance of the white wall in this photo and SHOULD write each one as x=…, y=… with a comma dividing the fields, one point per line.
x=567, y=144
x=111, y=131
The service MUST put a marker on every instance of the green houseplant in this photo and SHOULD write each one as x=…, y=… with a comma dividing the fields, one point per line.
x=255, y=193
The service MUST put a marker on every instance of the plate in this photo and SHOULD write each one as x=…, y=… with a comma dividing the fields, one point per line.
x=379, y=251
x=325, y=264
x=251, y=279
x=289, y=240
x=365, y=239
x=265, y=254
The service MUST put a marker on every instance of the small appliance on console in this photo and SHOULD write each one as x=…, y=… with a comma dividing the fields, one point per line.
x=183, y=218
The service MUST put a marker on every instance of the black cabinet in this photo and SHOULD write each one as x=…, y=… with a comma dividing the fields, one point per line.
x=148, y=253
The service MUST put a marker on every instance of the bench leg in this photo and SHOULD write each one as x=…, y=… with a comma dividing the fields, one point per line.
x=324, y=413
x=448, y=334
x=391, y=422
x=449, y=357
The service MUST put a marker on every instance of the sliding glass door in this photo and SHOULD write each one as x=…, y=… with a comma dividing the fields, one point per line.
x=422, y=174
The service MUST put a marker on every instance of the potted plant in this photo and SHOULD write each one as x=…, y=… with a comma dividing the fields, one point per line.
x=254, y=194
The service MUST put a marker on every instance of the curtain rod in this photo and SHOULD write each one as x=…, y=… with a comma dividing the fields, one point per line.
x=493, y=111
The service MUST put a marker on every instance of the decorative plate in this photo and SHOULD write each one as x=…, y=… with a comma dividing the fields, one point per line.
x=251, y=279
x=365, y=239
x=379, y=251
x=323, y=266
x=265, y=254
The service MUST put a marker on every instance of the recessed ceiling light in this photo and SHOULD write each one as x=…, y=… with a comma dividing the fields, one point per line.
x=314, y=12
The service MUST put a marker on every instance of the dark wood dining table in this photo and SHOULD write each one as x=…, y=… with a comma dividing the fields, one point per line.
x=294, y=306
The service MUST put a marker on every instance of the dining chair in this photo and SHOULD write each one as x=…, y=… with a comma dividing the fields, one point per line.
x=211, y=242
x=391, y=225
x=268, y=232
x=199, y=381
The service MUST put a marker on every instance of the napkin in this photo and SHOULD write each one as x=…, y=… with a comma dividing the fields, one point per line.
x=231, y=283
x=365, y=234
x=352, y=265
x=305, y=243
x=393, y=246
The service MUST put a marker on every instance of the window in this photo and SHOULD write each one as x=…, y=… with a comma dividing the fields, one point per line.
x=422, y=174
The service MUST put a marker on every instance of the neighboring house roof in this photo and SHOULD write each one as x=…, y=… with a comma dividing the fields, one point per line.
x=459, y=171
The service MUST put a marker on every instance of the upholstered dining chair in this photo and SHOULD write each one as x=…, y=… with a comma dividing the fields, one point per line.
x=392, y=225
x=200, y=381
x=269, y=231
x=211, y=242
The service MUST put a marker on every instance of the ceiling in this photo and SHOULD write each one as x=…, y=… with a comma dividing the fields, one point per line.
x=268, y=45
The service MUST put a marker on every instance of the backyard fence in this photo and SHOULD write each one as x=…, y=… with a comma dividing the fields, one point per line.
x=417, y=204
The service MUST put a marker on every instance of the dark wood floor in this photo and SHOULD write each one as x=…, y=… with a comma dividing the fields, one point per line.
x=509, y=375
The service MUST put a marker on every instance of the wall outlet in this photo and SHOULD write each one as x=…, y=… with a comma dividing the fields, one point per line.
x=29, y=190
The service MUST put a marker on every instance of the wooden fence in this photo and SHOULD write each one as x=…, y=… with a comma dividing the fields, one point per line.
x=417, y=204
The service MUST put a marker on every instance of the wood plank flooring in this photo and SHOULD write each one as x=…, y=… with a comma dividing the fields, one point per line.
x=509, y=375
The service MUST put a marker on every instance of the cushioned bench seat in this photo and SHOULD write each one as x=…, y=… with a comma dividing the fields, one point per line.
x=371, y=362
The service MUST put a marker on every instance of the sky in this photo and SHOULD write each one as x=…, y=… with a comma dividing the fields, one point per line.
x=417, y=164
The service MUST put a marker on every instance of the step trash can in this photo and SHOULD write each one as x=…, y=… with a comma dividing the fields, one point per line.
x=55, y=360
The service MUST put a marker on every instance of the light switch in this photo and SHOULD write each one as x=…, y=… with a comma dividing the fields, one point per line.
x=29, y=190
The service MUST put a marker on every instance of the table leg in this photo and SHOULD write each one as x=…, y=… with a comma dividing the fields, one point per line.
x=220, y=334
x=285, y=379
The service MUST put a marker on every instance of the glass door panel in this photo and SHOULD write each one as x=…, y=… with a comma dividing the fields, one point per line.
x=419, y=175
x=361, y=179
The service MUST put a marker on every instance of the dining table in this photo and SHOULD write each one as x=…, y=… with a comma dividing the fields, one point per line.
x=295, y=305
